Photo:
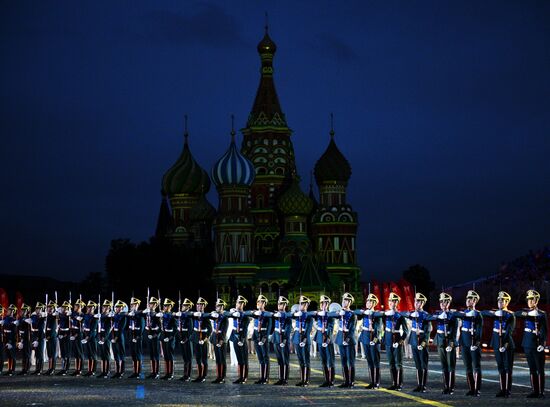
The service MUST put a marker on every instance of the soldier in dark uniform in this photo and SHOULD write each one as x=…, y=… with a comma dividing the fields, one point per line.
x=218, y=339
x=419, y=340
x=202, y=329
x=301, y=339
x=502, y=341
x=152, y=328
x=325, y=341
x=185, y=329
x=262, y=328
x=24, y=337
x=104, y=332
x=346, y=340
x=51, y=336
x=372, y=331
x=64, y=327
x=394, y=338
x=1, y=338
x=168, y=338
x=76, y=335
x=136, y=328
x=470, y=342
x=281, y=339
x=38, y=328
x=10, y=338
x=90, y=323
x=239, y=337
x=534, y=339
x=118, y=338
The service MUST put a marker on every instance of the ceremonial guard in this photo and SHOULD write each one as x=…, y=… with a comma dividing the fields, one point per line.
x=218, y=339
x=202, y=329
x=419, y=340
x=152, y=327
x=281, y=339
x=64, y=327
x=76, y=335
x=262, y=328
x=136, y=328
x=301, y=339
x=502, y=341
x=51, y=336
x=104, y=332
x=470, y=342
x=24, y=339
x=372, y=331
x=185, y=330
x=168, y=338
x=90, y=323
x=535, y=333
x=394, y=338
x=346, y=340
x=38, y=328
x=10, y=337
x=325, y=341
x=239, y=337
x=1, y=338
x=118, y=339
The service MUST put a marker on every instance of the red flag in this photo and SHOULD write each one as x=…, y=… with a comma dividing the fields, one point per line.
x=18, y=301
x=376, y=291
x=4, y=300
x=408, y=293
x=386, y=294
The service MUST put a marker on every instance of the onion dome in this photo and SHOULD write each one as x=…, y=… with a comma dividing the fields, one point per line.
x=266, y=45
x=294, y=202
x=202, y=210
x=185, y=176
x=332, y=166
x=233, y=168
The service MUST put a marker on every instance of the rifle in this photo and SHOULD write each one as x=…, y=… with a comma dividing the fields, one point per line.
x=99, y=312
x=149, y=313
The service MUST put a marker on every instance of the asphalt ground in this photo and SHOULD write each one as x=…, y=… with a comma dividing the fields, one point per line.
x=84, y=391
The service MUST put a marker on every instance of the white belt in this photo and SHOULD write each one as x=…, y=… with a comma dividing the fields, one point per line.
x=198, y=330
x=238, y=329
x=261, y=329
x=417, y=331
x=168, y=330
x=48, y=329
x=64, y=329
x=498, y=331
x=531, y=330
x=368, y=329
x=441, y=331
x=135, y=329
x=280, y=329
x=153, y=329
x=392, y=331
x=184, y=330
x=343, y=330
x=34, y=330
x=86, y=329
x=471, y=330
x=5, y=330
x=115, y=329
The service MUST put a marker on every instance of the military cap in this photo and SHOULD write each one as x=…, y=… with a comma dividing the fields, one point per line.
x=221, y=303
x=420, y=297
x=12, y=307
x=202, y=301
x=121, y=304
x=25, y=307
x=324, y=298
x=472, y=294
x=187, y=303
x=532, y=295
x=240, y=298
x=134, y=300
x=168, y=302
x=92, y=304
x=304, y=299
x=39, y=305
x=503, y=295
x=349, y=297
x=261, y=298
x=445, y=297
x=282, y=300
x=394, y=297
x=66, y=304
x=80, y=302
x=153, y=300
x=52, y=303
x=107, y=303
x=373, y=298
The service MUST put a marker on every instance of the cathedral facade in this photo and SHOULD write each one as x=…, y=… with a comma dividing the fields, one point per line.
x=266, y=232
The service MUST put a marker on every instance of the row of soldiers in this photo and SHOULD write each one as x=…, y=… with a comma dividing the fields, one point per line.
x=84, y=333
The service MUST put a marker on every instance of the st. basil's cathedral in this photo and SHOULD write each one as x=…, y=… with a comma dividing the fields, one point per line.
x=267, y=234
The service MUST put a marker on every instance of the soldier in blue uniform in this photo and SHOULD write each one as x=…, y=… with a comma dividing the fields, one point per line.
x=281, y=339
x=51, y=336
x=534, y=339
x=470, y=342
x=168, y=338
x=239, y=337
x=64, y=327
x=76, y=335
x=10, y=337
x=118, y=339
x=38, y=328
x=202, y=329
x=325, y=341
x=502, y=341
x=185, y=329
x=346, y=340
x=89, y=336
x=301, y=339
x=372, y=331
x=24, y=337
x=218, y=340
x=136, y=328
x=262, y=328
x=394, y=338
x=104, y=332
x=152, y=328
x=419, y=340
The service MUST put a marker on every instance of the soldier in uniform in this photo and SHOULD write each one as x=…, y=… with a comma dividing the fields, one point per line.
x=168, y=338
x=239, y=337
x=281, y=339
x=24, y=337
x=38, y=327
x=90, y=323
x=202, y=329
x=136, y=327
x=346, y=340
x=419, y=340
x=502, y=341
x=470, y=342
x=534, y=339
x=51, y=336
x=10, y=338
x=372, y=331
x=118, y=339
x=152, y=327
x=262, y=328
x=1, y=338
x=301, y=339
x=218, y=340
x=104, y=332
x=324, y=338
x=394, y=338
x=185, y=329
x=64, y=327
x=76, y=335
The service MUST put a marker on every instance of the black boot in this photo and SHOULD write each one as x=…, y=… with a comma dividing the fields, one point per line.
x=399, y=379
x=393, y=372
x=326, y=373
x=534, y=386
x=508, y=384
x=445, y=383
x=332, y=373
x=281, y=376
x=424, y=380
x=286, y=374
x=418, y=387
x=134, y=370
x=376, y=377
x=198, y=379
x=306, y=375
x=502, y=382
x=261, y=379
x=352, y=376
x=371, y=384
x=345, y=373
x=541, y=386
x=239, y=372
x=302, y=376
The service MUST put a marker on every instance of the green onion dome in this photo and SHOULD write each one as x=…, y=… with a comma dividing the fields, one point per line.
x=294, y=202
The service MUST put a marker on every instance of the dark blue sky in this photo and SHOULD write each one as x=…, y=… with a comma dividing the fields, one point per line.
x=442, y=108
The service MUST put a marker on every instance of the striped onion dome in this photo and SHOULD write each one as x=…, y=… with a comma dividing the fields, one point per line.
x=233, y=168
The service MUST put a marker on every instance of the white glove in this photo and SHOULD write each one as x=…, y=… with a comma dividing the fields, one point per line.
x=9, y=346
x=540, y=348
x=533, y=313
x=321, y=313
x=414, y=314
x=43, y=314
x=201, y=342
x=389, y=313
x=298, y=314
x=302, y=344
x=449, y=348
x=372, y=343
x=97, y=315
x=498, y=313
x=147, y=311
x=502, y=349
x=395, y=345
x=100, y=342
x=79, y=318
x=150, y=336
x=73, y=338
x=282, y=345
x=178, y=314
x=2, y=322
x=345, y=343
x=258, y=313
x=166, y=339
x=111, y=314
x=35, y=344
x=16, y=322
x=28, y=321
x=84, y=341
x=240, y=343
x=20, y=345
x=471, y=313
x=214, y=314
x=159, y=314
x=277, y=314
x=443, y=315
x=134, y=340
x=236, y=314
x=131, y=313
x=420, y=347
x=473, y=348
x=342, y=313
x=197, y=314
x=113, y=340
x=260, y=343
x=367, y=312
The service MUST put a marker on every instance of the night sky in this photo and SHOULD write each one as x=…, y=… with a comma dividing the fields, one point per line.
x=442, y=109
